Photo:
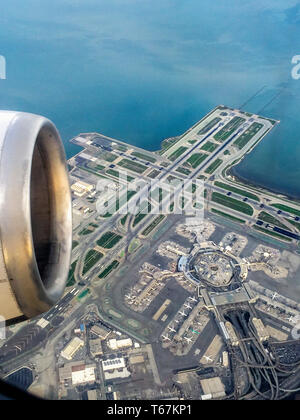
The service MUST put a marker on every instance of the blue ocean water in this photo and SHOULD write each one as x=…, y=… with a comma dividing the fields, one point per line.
x=142, y=70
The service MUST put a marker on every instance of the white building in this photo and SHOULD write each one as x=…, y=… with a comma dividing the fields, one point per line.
x=120, y=344
x=74, y=345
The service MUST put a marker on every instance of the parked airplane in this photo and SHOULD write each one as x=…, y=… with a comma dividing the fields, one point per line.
x=187, y=306
x=274, y=295
x=188, y=339
x=292, y=319
x=165, y=337
x=182, y=313
x=171, y=329
x=208, y=358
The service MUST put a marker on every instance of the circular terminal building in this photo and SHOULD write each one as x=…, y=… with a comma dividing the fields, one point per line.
x=213, y=267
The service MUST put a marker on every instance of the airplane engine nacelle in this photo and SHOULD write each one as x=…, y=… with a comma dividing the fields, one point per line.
x=35, y=216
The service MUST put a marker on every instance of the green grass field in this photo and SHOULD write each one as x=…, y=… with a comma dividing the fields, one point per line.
x=236, y=190
x=153, y=174
x=109, y=157
x=109, y=269
x=85, y=231
x=296, y=224
x=122, y=148
x=71, y=278
x=123, y=220
x=153, y=224
x=144, y=210
x=108, y=240
x=92, y=171
x=132, y=166
x=232, y=203
x=88, y=229
x=96, y=167
x=196, y=159
x=182, y=170
x=209, y=125
x=275, y=234
x=167, y=144
x=268, y=218
x=229, y=129
x=147, y=158
x=83, y=294
x=242, y=140
x=116, y=174
x=91, y=258
x=209, y=146
x=134, y=245
x=287, y=209
x=216, y=163
x=192, y=188
x=178, y=152
x=228, y=216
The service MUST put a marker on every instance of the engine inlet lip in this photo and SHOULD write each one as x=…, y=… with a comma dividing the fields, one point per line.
x=34, y=293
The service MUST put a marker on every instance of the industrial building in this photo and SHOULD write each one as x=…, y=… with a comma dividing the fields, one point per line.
x=74, y=345
x=77, y=373
x=80, y=188
x=213, y=388
x=260, y=329
x=92, y=395
x=83, y=374
x=112, y=364
x=101, y=332
x=231, y=333
x=115, y=368
x=225, y=359
x=96, y=347
x=120, y=344
x=117, y=374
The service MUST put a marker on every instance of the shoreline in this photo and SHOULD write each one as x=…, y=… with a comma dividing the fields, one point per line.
x=247, y=182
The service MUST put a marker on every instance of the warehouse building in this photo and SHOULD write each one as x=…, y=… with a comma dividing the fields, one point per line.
x=120, y=344
x=96, y=347
x=115, y=369
x=100, y=331
x=77, y=373
x=69, y=351
x=80, y=188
